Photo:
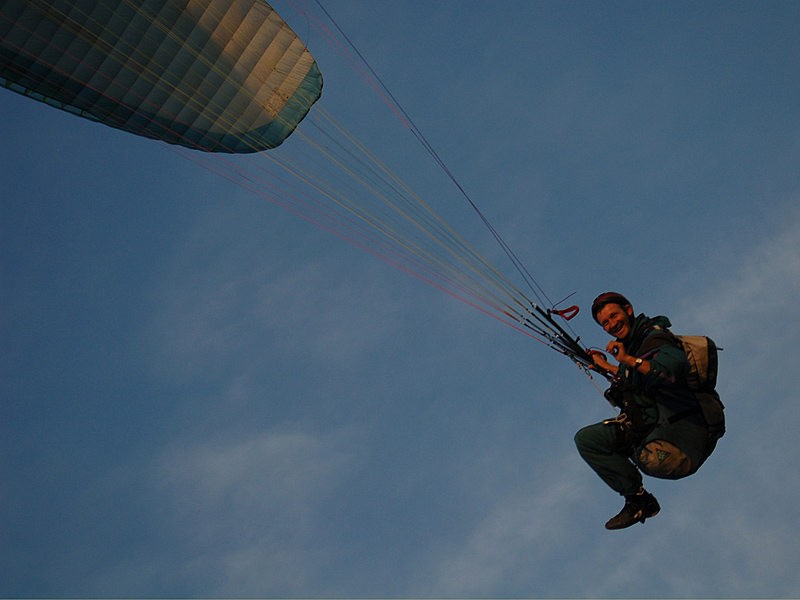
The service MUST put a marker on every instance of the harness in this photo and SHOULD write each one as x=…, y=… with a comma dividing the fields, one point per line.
x=630, y=417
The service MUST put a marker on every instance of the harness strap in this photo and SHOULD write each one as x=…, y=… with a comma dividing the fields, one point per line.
x=684, y=414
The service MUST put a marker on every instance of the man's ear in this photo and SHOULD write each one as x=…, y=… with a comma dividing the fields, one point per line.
x=629, y=310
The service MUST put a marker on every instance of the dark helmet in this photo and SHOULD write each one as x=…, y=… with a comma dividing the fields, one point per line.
x=608, y=298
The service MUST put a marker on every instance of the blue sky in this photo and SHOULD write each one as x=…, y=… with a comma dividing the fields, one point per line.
x=204, y=396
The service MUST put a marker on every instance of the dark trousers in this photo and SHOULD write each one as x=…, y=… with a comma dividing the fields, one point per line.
x=604, y=447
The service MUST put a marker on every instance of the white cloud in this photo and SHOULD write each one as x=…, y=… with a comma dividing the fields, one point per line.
x=755, y=287
x=250, y=508
x=528, y=522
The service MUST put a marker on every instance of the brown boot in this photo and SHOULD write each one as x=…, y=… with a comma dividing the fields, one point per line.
x=638, y=508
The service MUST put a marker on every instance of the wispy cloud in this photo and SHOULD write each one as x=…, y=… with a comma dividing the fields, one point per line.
x=509, y=550
x=251, y=509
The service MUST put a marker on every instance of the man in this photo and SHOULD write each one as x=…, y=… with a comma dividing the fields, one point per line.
x=661, y=430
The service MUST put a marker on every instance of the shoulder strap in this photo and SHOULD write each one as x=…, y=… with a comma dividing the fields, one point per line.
x=646, y=340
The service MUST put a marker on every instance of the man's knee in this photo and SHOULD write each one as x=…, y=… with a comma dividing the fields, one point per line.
x=587, y=438
x=581, y=438
x=598, y=438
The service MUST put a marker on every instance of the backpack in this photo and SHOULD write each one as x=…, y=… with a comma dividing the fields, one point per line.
x=687, y=455
x=701, y=353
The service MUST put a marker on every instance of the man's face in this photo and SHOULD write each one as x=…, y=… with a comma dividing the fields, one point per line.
x=616, y=320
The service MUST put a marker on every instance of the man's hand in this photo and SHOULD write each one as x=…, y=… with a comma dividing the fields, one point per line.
x=600, y=361
x=617, y=350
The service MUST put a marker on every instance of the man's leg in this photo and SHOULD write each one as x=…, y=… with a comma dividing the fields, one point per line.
x=602, y=446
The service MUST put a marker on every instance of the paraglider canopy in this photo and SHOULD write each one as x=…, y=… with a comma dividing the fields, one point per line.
x=214, y=75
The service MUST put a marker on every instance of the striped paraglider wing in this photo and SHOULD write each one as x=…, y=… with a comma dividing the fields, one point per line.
x=213, y=75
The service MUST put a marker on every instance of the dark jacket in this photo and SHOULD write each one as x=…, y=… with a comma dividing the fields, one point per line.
x=664, y=412
x=663, y=391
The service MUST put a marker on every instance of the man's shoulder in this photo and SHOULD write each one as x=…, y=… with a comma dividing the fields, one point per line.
x=657, y=334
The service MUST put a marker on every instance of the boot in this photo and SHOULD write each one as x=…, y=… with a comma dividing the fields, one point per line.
x=638, y=508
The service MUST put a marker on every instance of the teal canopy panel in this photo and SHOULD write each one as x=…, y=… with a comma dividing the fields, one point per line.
x=213, y=75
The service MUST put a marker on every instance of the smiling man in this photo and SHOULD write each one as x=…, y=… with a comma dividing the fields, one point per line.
x=661, y=430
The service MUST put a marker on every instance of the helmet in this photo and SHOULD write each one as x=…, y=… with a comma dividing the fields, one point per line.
x=608, y=298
